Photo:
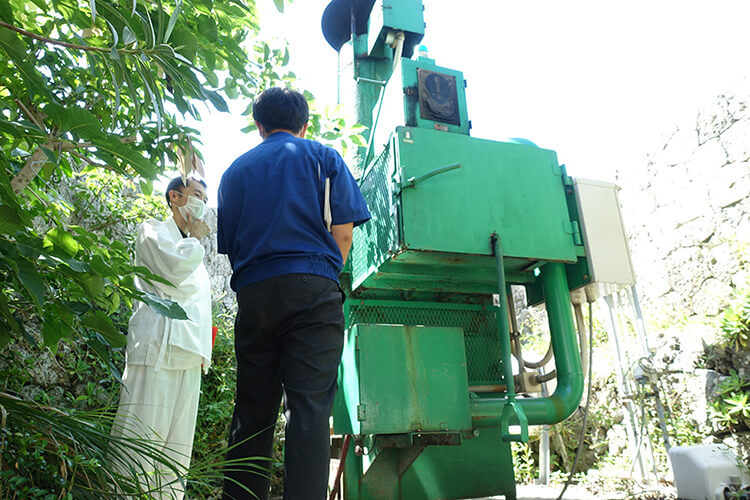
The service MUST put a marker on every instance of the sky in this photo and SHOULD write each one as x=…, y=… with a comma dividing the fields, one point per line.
x=601, y=82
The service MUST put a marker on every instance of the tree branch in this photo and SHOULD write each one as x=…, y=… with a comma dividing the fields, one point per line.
x=69, y=45
x=31, y=116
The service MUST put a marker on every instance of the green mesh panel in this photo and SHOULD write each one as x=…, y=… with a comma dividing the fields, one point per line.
x=479, y=324
x=373, y=242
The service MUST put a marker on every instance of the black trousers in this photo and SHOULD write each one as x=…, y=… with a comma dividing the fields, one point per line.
x=288, y=338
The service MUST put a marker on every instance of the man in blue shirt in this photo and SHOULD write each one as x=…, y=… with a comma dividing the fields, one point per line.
x=286, y=212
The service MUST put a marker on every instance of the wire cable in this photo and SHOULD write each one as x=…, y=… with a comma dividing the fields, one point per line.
x=586, y=409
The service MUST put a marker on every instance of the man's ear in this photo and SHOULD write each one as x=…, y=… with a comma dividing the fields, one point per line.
x=303, y=130
x=261, y=130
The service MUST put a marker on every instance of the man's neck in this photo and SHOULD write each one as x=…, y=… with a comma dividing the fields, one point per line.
x=179, y=220
x=269, y=134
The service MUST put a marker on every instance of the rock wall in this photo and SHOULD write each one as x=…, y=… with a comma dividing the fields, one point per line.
x=687, y=211
x=219, y=269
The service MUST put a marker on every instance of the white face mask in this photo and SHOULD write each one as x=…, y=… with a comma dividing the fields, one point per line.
x=194, y=207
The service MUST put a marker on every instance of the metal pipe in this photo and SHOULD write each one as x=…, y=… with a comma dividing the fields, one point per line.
x=544, y=462
x=583, y=342
x=538, y=364
x=582, y=338
x=503, y=329
x=335, y=492
x=567, y=396
x=516, y=337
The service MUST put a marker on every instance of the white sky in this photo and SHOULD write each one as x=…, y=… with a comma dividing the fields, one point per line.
x=600, y=82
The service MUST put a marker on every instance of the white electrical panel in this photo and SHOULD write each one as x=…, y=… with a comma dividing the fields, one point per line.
x=604, y=233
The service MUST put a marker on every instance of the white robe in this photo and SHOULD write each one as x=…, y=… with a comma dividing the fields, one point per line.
x=161, y=382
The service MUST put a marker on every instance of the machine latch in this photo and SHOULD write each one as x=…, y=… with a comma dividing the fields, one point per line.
x=361, y=412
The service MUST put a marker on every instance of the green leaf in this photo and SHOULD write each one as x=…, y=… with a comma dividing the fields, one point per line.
x=147, y=187
x=28, y=276
x=93, y=13
x=75, y=119
x=10, y=220
x=127, y=36
x=173, y=20
x=115, y=36
x=148, y=81
x=17, y=51
x=92, y=283
x=77, y=266
x=10, y=321
x=358, y=140
x=63, y=240
x=128, y=154
x=4, y=334
x=279, y=5
x=164, y=307
x=218, y=101
x=100, y=322
x=52, y=331
x=29, y=251
x=6, y=12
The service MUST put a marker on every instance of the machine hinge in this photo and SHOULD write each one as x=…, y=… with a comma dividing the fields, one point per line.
x=361, y=412
x=574, y=229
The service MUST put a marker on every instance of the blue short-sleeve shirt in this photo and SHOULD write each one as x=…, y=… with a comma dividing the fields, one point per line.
x=271, y=202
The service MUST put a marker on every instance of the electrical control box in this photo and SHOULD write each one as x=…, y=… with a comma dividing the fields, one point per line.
x=604, y=236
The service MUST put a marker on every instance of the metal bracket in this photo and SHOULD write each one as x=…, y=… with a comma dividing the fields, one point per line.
x=513, y=411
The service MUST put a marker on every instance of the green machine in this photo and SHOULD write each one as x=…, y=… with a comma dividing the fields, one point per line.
x=426, y=384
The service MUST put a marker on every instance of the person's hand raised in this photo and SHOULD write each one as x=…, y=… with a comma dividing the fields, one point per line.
x=197, y=228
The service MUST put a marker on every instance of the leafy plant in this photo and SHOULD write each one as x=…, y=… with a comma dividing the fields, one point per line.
x=730, y=410
x=524, y=466
x=735, y=322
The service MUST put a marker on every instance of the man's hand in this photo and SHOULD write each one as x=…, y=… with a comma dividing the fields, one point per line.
x=197, y=228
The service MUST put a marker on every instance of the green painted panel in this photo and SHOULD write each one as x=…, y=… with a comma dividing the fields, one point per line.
x=411, y=378
x=347, y=396
x=513, y=189
x=478, y=323
x=412, y=106
x=481, y=467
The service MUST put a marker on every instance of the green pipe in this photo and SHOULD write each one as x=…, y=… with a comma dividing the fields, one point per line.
x=503, y=329
x=564, y=401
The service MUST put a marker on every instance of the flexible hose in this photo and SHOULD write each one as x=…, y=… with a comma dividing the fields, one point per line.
x=548, y=355
x=538, y=364
x=586, y=409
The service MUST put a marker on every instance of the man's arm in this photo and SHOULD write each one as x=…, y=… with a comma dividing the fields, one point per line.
x=342, y=233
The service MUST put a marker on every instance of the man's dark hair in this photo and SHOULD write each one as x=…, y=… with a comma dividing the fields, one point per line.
x=176, y=184
x=278, y=108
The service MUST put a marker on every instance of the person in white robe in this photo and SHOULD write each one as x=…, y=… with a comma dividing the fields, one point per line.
x=161, y=381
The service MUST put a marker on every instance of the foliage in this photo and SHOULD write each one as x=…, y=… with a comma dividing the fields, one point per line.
x=216, y=403
x=735, y=322
x=524, y=466
x=85, y=91
x=730, y=410
x=92, y=100
x=327, y=124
